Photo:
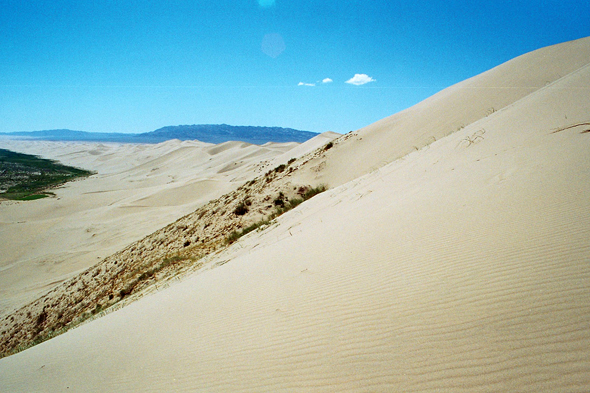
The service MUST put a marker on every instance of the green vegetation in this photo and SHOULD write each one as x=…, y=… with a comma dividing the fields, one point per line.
x=281, y=206
x=242, y=208
x=308, y=193
x=235, y=235
x=146, y=274
x=305, y=193
x=279, y=169
x=26, y=177
x=280, y=200
x=34, y=196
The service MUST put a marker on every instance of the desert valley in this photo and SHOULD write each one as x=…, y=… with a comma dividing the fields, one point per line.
x=448, y=252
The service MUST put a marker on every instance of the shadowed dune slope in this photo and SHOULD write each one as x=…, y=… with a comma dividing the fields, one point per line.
x=462, y=267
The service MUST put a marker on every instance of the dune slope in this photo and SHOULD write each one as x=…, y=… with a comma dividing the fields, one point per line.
x=452, y=109
x=461, y=267
x=138, y=189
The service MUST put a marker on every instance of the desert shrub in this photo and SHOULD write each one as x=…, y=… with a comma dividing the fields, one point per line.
x=97, y=309
x=311, y=192
x=126, y=291
x=145, y=275
x=280, y=208
x=235, y=235
x=41, y=318
x=292, y=160
x=241, y=209
x=32, y=197
x=294, y=202
x=280, y=200
x=169, y=260
x=328, y=146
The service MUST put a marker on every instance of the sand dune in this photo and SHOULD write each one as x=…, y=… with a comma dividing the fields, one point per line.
x=447, y=111
x=462, y=266
x=138, y=189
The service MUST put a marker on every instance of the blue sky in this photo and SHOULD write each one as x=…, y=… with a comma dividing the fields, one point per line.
x=135, y=66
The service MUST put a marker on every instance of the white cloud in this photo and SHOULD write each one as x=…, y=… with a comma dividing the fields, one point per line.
x=360, y=79
x=327, y=80
x=305, y=84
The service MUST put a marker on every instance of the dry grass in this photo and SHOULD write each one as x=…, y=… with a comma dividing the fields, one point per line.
x=165, y=254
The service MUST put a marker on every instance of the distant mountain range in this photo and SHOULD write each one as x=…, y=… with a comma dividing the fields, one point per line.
x=211, y=133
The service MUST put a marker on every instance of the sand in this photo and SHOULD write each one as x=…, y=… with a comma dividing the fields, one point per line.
x=461, y=266
x=137, y=190
x=450, y=110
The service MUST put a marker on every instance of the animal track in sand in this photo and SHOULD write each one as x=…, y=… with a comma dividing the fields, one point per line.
x=473, y=139
x=573, y=126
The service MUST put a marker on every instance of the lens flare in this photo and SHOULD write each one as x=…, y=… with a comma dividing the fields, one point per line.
x=273, y=45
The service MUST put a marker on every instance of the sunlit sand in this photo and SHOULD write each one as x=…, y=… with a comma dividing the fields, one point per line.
x=450, y=253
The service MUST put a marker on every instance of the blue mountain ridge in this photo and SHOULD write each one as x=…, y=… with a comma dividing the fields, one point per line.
x=211, y=133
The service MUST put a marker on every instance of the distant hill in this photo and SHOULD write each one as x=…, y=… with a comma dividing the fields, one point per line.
x=218, y=133
x=70, y=135
x=211, y=133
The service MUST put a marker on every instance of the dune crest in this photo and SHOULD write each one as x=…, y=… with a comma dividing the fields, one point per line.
x=138, y=189
x=450, y=110
x=455, y=264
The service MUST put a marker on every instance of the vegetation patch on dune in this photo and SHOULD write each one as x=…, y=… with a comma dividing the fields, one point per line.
x=26, y=177
x=281, y=206
x=170, y=252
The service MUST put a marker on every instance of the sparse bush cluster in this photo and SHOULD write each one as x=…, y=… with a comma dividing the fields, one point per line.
x=280, y=200
x=242, y=207
x=279, y=169
x=305, y=193
x=308, y=193
x=235, y=235
x=282, y=205
x=146, y=274
x=156, y=257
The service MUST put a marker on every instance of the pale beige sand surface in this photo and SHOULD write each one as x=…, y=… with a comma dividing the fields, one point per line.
x=462, y=267
x=137, y=190
x=447, y=111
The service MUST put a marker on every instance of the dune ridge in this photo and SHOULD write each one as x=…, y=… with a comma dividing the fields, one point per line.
x=451, y=110
x=138, y=189
x=462, y=265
